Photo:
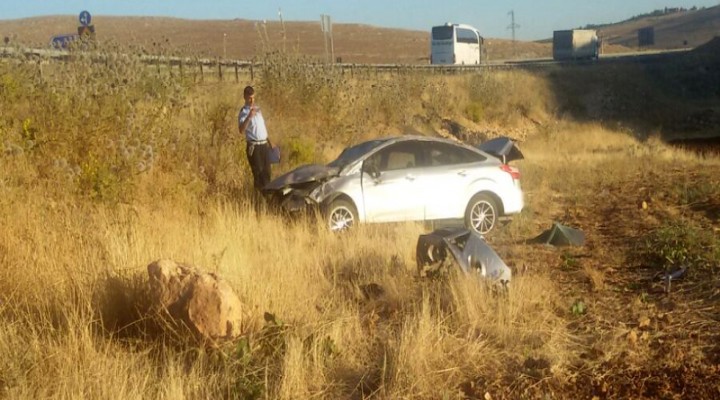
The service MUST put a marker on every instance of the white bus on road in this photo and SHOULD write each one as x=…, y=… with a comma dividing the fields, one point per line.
x=456, y=44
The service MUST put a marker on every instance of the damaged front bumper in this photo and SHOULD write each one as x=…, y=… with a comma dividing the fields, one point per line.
x=468, y=250
x=292, y=202
x=300, y=189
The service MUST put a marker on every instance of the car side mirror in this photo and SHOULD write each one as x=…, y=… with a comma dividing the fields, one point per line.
x=372, y=169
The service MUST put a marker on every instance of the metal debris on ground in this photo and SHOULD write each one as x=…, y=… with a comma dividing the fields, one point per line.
x=468, y=250
x=671, y=275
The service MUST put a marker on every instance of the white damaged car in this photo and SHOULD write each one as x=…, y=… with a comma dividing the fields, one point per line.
x=408, y=178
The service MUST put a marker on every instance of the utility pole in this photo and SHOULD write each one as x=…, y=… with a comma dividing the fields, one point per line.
x=513, y=26
x=332, y=45
x=224, y=46
x=282, y=24
x=324, y=31
x=326, y=26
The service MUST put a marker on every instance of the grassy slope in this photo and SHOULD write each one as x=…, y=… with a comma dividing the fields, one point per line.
x=66, y=269
x=84, y=208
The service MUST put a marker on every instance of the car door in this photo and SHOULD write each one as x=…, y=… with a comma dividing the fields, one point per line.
x=391, y=188
x=449, y=172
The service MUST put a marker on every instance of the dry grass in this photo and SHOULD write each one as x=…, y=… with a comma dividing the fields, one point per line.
x=415, y=339
x=76, y=236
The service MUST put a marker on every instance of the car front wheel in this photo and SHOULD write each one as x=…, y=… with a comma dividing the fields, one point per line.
x=481, y=214
x=341, y=215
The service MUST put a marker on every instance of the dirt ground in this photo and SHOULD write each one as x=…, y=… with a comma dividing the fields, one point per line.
x=642, y=341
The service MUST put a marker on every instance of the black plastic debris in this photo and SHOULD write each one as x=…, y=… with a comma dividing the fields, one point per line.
x=672, y=275
x=560, y=235
x=468, y=250
x=675, y=273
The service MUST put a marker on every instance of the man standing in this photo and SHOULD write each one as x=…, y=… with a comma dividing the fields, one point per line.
x=252, y=124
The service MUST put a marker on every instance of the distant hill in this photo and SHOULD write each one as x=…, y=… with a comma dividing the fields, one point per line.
x=673, y=30
x=243, y=39
x=353, y=43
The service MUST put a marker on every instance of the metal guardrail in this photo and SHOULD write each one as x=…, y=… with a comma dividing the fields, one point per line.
x=250, y=66
x=150, y=59
x=54, y=54
x=203, y=64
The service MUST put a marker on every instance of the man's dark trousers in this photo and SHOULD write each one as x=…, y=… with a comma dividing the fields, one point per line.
x=258, y=155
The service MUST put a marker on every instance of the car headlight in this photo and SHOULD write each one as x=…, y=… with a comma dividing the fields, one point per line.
x=318, y=193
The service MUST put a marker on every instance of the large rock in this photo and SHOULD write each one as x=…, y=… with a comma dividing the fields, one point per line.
x=200, y=300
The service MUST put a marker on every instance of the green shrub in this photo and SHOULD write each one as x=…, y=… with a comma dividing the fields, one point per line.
x=299, y=151
x=679, y=243
x=99, y=180
x=578, y=308
x=569, y=261
x=474, y=111
x=16, y=81
x=697, y=191
x=95, y=125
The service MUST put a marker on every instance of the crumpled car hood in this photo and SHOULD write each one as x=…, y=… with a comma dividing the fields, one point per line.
x=502, y=147
x=302, y=175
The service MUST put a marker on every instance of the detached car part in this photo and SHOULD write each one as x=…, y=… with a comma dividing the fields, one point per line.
x=466, y=248
x=560, y=235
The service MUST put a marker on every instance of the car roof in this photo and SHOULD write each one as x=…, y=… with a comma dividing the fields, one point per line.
x=383, y=142
x=401, y=138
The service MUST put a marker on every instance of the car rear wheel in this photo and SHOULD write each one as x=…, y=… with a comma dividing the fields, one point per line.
x=481, y=214
x=341, y=215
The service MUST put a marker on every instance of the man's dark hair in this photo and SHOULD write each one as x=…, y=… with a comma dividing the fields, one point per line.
x=248, y=91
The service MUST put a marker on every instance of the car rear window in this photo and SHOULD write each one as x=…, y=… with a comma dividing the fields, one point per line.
x=448, y=154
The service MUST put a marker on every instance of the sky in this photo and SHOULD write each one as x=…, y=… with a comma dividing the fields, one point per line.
x=535, y=19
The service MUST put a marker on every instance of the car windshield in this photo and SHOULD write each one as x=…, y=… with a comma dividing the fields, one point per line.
x=353, y=153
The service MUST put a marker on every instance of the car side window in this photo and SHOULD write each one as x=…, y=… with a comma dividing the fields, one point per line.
x=448, y=154
x=397, y=156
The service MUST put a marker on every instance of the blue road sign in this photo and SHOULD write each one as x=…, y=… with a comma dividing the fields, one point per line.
x=84, y=18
